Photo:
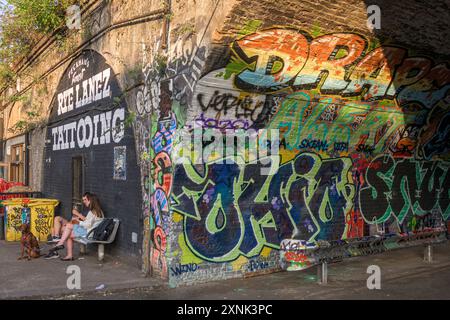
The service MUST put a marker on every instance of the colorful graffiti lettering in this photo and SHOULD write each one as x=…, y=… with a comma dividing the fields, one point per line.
x=404, y=187
x=244, y=107
x=158, y=260
x=162, y=144
x=294, y=254
x=379, y=98
x=354, y=124
x=327, y=65
x=162, y=141
x=165, y=84
x=180, y=269
x=232, y=210
x=221, y=124
x=364, y=139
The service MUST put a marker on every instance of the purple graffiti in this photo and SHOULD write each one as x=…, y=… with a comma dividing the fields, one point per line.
x=221, y=124
x=162, y=141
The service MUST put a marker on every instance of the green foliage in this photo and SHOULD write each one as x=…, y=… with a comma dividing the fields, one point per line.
x=134, y=73
x=169, y=16
x=161, y=63
x=42, y=16
x=42, y=91
x=6, y=74
x=250, y=27
x=86, y=32
x=187, y=28
x=22, y=24
x=146, y=157
x=129, y=119
x=17, y=98
x=32, y=121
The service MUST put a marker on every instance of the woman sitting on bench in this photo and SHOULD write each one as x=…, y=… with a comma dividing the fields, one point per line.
x=79, y=227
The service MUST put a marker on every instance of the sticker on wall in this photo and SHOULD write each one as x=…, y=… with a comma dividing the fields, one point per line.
x=120, y=163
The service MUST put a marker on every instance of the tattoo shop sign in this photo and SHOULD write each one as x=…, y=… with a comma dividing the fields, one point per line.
x=84, y=111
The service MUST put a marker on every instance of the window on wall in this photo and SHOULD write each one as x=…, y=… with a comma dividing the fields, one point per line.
x=17, y=171
x=77, y=181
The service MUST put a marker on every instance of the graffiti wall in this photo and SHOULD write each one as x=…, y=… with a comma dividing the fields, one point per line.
x=161, y=105
x=363, y=151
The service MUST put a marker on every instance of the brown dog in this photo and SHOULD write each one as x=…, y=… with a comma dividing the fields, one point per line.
x=29, y=243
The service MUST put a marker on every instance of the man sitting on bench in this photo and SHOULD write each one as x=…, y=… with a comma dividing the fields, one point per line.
x=78, y=227
x=59, y=223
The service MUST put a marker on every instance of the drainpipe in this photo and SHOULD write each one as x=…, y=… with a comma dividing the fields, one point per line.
x=166, y=25
x=150, y=189
x=27, y=159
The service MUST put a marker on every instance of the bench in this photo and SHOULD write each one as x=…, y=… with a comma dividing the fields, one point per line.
x=101, y=244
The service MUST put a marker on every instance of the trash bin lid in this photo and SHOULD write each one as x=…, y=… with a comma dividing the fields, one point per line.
x=31, y=202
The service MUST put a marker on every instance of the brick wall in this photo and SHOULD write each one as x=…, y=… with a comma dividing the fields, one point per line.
x=96, y=143
x=362, y=117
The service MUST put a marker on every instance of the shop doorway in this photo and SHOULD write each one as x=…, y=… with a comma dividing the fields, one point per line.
x=17, y=163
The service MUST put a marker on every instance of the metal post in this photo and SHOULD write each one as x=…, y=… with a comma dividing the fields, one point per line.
x=322, y=273
x=2, y=225
x=101, y=252
x=428, y=253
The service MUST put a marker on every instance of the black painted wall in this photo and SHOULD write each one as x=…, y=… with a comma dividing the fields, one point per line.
x=119, y=198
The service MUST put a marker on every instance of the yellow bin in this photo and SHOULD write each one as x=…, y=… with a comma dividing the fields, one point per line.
x=13, y=218
x=39, y=212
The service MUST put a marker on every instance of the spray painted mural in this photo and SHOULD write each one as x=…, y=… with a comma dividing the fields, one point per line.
x=364, y=150
x=160, y=107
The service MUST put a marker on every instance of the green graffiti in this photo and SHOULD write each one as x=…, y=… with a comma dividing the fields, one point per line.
x=231, y=209
x=403, y=188
x=302, y=117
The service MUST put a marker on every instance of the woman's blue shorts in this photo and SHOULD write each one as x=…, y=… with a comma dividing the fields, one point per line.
x=79, y=231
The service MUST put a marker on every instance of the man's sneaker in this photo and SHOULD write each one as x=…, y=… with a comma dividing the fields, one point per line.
x=52, y=255
x=54, y=239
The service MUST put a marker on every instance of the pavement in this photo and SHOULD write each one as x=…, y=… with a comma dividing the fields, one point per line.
x=40, y=277
x=404, y=275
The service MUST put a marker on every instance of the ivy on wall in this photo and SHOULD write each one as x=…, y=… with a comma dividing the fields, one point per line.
x=22, y=24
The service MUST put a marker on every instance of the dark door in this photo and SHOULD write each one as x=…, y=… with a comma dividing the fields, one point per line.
x=77, y=181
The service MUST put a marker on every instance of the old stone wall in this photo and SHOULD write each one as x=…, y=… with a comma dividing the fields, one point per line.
x=357, y=121
x=123, y=33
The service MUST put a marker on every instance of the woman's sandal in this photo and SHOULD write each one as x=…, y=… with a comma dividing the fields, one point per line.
x=68, y=259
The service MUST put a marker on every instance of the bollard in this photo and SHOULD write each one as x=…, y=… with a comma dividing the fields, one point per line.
x=428, y=253
x=322, y=273
x=2, y=227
